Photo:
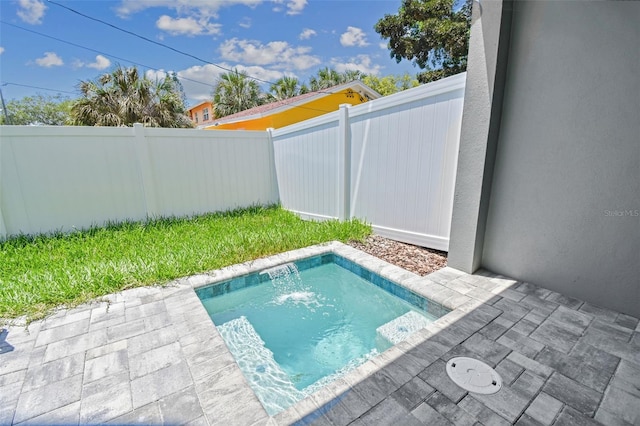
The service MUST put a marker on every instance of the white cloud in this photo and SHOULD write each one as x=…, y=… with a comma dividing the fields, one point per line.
x=354, y=36
x=31, y=11
x=295, y=7
x=307, y=33
x=187, y=26
x=206, y=74
x=50, y=59
x=1, y=50
x=245, y=22
x=362, y=63
x=202, y=78
x=278, y=54
x=200, y=9
x=383, y=46
x=263, y=74
x=100, y=63
x=158, y=75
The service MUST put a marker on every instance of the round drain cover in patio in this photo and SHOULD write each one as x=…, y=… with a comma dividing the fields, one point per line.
x=474, y=375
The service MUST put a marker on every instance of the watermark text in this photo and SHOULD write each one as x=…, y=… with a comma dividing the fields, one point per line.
x=622, y=213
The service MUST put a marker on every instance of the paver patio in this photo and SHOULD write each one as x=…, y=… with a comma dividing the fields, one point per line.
x=152, y=356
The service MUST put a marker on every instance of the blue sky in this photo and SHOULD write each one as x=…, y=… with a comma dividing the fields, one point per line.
x=265, y=38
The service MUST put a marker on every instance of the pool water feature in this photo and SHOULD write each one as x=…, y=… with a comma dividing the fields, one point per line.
x=296, y=327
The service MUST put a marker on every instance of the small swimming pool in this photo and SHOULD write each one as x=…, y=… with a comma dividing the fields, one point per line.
x=296, y=327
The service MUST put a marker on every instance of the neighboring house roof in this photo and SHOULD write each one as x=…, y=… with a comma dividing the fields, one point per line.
x=260, y=111
x=355, y=90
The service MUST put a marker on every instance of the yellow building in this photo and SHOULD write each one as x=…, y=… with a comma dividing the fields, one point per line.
x=293, y=110
x=202, y=114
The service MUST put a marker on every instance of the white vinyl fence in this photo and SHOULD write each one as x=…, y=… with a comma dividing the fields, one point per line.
x=65, y=178
x=391, y=162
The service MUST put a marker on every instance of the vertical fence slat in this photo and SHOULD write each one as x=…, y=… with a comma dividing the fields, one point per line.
x=3, y=228
x=344, y=165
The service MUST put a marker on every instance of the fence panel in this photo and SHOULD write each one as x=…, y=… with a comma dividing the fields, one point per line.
x=403, y=162
x=61, y=178
x=401, y=154
x=307, y=160
x=65, y=178
x=203, y=171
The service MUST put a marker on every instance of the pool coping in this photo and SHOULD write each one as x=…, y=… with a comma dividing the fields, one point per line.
x=457, y=302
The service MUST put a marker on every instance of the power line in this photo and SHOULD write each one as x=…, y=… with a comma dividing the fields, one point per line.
x=166, y=46
x=156, y=43
x=37, y=87
x=143, y=65
x=99, y=52
x=147, y=66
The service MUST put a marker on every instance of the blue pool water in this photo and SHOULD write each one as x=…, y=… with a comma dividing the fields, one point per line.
x=294, y=328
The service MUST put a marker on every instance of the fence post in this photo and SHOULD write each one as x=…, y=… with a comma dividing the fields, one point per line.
x=3, y=228
x=272, y=159
x=144, y=167
x=344, y=202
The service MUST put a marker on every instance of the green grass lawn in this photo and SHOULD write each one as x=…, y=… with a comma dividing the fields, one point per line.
x=40, y=273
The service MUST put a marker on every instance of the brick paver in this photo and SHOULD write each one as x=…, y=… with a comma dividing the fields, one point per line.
x=152, y=356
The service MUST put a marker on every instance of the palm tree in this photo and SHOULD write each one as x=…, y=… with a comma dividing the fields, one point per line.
x=325, y=78
x=235, y=92
x=285, y=88
x=122, y=98
x=351, y=75
x=328, y=77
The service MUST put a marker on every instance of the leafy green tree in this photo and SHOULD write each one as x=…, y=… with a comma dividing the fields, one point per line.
x=123, y=97
x=390, y=84
x=235, y=92
x=285, y=88
x=39, y=109
x=434, y=34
